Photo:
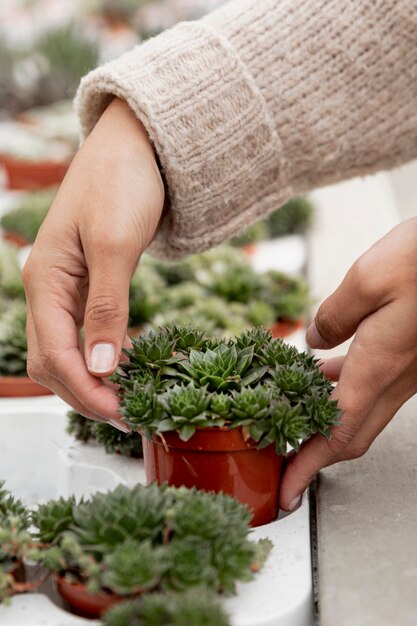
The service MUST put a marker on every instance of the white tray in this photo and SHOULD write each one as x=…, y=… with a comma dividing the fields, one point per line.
x=40, y=461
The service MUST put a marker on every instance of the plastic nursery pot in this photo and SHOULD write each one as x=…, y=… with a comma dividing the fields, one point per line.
x=17, y=240
x=27, y=175
x=218, y=459
x=20, y=387
x=81, y=601
x=284, y=328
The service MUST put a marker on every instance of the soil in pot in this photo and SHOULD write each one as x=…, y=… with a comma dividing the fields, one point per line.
x=21, y=387
x=81, y=601
x=218, y=459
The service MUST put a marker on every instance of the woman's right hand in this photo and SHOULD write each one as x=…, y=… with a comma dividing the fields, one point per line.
x=104, y=216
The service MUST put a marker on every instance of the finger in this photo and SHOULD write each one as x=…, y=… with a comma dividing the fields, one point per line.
x=39, y=375
x=365, y=377
x=386, y=407
x=59, y=355
x=107, y=309
x=339, y=316
x=332, y=368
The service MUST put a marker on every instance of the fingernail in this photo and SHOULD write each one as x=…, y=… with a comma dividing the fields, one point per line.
x=120, y=426
x=102, y=358
x=292, y=505
x=313, y=337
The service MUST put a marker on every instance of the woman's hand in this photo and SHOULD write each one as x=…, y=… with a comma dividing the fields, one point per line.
x=78, y=274
x=377, y=301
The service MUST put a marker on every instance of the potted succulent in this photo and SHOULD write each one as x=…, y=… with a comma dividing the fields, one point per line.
x=145, y=294
x=218, y=414
x=15, y=541
x=295, y=217
x=14, y=380
x=21, y=225
x=111, y=439
x=289, y=298
x=133, y=542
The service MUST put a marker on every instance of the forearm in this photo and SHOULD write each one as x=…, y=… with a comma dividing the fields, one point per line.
x=260, y=101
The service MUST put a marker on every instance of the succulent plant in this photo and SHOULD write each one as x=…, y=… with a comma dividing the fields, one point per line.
x=145, y=294
x=288, y=296
x=12, y=507
x=195, y=607
x=253, y=381
x=65, y=55
x=80, y=427
x=116, y=441
x=151, y=538
x=11, y=284
x=13, y=342
x=293, y=217
x=27, y=218
x=258, y=231
x=53, y=518
x=134, y=567
x=112, y=439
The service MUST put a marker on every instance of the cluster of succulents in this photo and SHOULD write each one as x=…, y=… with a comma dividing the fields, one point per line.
x=27, y=218
x=14, y=539
x=294, y=217
x=217, y=290
x=48, y=69
x=169, y=551
x=113, y=440
x=195, y=607
x=13, y=312
x=179, y=379
x=11, y=284
x=13, y=342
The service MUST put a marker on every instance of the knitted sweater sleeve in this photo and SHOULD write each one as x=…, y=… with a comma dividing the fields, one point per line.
x=263, y=100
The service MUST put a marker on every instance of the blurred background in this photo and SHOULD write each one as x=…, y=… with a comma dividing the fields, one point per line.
x=275, y=273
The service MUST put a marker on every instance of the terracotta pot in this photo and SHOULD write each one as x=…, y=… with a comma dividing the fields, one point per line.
x=218, y=459
x=21, y=386
x=284, y=328
x=82, y=601
x=17, y=240
x=28, y=175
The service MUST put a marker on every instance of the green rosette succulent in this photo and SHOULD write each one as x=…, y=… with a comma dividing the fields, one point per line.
x=252, y=381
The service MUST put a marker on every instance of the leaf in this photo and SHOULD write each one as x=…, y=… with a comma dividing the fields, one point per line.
x=254, y=374
x=186, y=432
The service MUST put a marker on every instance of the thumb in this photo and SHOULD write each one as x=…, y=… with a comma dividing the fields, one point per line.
x=340, y=315
x=106, y=313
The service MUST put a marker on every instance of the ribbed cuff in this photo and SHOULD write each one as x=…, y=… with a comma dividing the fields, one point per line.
x=217, y=144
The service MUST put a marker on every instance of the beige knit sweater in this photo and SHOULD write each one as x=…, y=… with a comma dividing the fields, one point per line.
x=264, y=99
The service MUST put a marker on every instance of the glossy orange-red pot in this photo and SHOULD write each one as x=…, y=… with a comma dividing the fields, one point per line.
x=284, y=328
x=82, y=601
x=28, y=175
x=218, y=459
x=21, y=386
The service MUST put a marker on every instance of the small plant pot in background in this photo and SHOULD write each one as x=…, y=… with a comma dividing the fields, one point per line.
x=14, y=238
x=81, y=601
x=218, y=459
x=28, y=175
x=285, y=328
x=21, y=387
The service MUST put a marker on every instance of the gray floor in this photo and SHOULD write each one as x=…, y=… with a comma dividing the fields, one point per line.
x=367, y=509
